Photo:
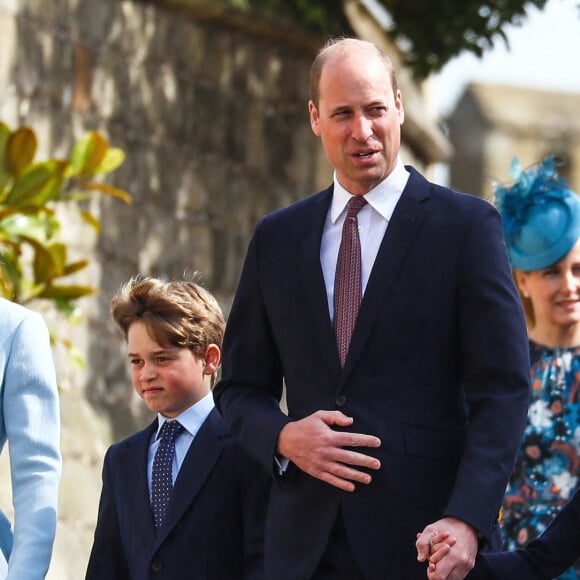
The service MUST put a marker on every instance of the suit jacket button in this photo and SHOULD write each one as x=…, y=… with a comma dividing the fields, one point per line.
x=340, y=401
x=156, y=566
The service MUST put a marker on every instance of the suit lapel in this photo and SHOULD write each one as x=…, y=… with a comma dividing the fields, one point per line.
x=402, y=229
x=314, y=288
x=201, y=457
x=133, y=463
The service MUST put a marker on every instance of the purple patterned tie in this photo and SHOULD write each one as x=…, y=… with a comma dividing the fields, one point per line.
x=347, y=281
x=161, y=477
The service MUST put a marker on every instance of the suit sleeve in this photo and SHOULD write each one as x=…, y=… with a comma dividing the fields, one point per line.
x=249, y=393
x=32, y=419
x=107, y=561
x=545, y=557
x=495, y=373
x=255, y=493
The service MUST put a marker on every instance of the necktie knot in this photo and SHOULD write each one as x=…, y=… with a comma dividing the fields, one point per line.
x=354, y=205
x=170, y=431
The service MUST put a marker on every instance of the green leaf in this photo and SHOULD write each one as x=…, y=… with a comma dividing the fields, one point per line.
x=38, y=228
x=75, y=267
x=110, y=190
x=113, y=158
x=48, y=262
x=88, y=153
x=37, y=184
x=71, y=292
x=11, y=275
x=4, y=135
x=20, y=150
x=90, y=219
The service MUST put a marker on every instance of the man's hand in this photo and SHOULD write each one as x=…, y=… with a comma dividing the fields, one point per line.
x=440, y=545
x=459, y=560
x=314, y=447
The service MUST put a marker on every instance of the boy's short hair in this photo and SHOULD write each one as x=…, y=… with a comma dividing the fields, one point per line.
x=176, y=313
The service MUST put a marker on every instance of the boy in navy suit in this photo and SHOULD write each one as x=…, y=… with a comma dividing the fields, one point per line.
x=205, y=519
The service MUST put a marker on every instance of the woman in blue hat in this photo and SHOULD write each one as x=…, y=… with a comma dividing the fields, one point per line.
x=541, y=218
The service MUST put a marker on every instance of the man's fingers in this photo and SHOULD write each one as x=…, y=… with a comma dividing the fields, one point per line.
x=356, y=440
x=343, y=484
x=439, y=551
x=423, y=544
x=328, y=454
x=345, y=458
x=347, y=439
x=334, y=418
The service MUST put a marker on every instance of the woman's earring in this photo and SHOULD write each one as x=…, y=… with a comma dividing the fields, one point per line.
x=526, y=294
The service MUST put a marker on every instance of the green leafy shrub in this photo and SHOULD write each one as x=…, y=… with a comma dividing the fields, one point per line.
x=33, y=258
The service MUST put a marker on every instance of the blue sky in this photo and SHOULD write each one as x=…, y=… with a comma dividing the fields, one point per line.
x=543, y=54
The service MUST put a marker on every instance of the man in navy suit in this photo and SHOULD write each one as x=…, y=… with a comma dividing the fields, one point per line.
x=423, y=421
x=211, y=527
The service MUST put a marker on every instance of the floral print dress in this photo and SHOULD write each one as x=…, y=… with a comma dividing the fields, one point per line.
x=547, y=469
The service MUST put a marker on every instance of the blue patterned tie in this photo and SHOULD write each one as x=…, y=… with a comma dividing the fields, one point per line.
x=161, y=478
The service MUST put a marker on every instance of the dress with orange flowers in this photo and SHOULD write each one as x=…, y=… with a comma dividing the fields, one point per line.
x=547, y=469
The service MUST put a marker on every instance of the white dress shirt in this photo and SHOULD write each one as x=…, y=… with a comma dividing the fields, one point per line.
x=373, y=220
x=191, y=419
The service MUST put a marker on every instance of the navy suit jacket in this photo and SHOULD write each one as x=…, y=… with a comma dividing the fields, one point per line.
x=438, y=369
x=215, y=519
x=543, y=558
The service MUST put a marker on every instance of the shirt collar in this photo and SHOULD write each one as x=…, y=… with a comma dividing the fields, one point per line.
x=193, y=417
x=383, y=198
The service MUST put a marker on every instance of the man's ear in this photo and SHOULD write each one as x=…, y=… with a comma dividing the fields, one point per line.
x=313, y=118
x=212, y=359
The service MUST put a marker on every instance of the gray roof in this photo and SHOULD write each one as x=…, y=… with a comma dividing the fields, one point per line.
x=518, y=106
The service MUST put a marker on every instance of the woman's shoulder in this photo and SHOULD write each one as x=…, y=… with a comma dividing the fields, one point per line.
x=540, y=352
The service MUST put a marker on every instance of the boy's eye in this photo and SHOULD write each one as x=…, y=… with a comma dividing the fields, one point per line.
x=134, y=361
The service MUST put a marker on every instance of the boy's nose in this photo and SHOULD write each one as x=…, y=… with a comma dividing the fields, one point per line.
x=148, y=372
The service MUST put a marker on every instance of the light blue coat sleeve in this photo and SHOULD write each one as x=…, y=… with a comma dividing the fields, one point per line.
x=30, y=422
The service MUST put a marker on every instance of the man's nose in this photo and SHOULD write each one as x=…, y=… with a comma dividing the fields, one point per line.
x=362, y=128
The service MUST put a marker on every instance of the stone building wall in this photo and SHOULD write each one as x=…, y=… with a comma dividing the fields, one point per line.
x=491, y=123
x=211, y=110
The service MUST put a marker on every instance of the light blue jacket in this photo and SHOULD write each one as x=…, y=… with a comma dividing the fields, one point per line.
x=30, y=422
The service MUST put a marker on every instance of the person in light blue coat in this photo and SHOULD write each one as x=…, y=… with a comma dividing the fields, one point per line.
x=30, y=423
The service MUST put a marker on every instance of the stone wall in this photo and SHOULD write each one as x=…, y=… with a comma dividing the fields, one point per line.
x=210, y=107
x=214, y=121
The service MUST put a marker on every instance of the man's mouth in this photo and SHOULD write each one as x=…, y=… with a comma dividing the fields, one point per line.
x=364, y=154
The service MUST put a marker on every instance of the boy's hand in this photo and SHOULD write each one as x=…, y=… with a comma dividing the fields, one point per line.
x=440, y=546
x=459, y=561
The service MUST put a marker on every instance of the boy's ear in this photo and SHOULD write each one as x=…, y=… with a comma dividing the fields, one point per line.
x=211, y=359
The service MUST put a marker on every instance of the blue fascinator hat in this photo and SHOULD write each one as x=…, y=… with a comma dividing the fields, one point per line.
x=540, y=213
